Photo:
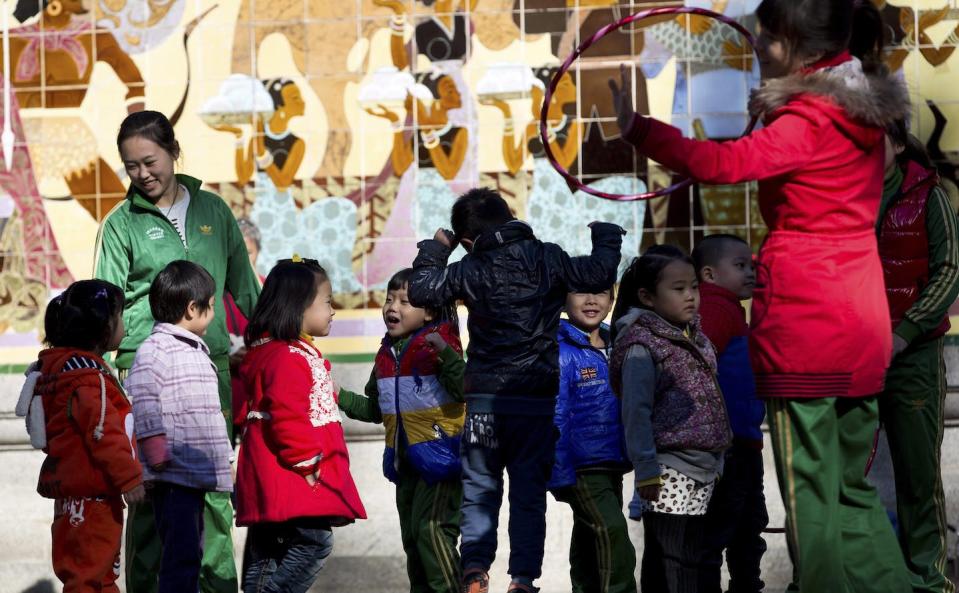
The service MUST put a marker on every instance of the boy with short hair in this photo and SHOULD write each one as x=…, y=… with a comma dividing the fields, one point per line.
x=183, y=441
x=514, y=287
x=737, y=512
x=591, y=454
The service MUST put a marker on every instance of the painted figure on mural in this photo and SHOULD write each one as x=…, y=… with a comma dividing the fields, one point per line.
x=555, y=212
x=431, y=160
x=274, y=150
x=905, y=32
x=57, y=51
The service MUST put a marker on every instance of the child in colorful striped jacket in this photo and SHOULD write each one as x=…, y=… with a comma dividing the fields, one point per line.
x=416, y=391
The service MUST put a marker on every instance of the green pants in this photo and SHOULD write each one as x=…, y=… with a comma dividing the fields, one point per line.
x=430, y=528
x=218, y=571
x=839, y=537
x=911, y=408
x=601, y=557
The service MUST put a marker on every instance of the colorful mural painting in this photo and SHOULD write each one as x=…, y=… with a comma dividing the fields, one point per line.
x=345, y=130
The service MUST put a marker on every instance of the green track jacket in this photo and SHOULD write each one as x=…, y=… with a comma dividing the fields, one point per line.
x=136, y=241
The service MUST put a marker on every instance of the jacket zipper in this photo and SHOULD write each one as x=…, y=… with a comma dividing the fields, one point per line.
x=397, y=358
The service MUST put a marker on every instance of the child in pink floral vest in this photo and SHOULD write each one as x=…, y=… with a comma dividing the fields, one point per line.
x=674, y=416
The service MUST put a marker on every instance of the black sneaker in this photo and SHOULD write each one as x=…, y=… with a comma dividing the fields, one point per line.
x=475, y=581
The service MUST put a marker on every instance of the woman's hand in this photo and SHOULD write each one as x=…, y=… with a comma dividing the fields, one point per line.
x=381, y=111
x=499, y=104
x=231, y=129
x=623, y=100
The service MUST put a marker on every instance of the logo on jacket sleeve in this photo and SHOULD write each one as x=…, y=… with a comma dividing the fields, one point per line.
x=206, y=229
x=155, y=233
x=588, y=373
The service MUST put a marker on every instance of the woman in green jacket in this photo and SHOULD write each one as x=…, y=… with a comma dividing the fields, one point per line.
x=167, y=217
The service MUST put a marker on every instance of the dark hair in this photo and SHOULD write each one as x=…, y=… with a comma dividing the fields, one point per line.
x=274, y=87
x=477, y=211
x=913, y=150
x=447, y=312
x=178, y=284
x=153, y=126
x=645, y=272
x=288, y=291
x=712, y=248
x=825, y=28
x=84, y=315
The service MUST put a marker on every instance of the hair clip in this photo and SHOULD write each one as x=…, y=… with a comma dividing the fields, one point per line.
x=296, y=258
x=101, y=294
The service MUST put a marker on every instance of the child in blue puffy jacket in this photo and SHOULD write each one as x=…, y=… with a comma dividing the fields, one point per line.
x=590, y=453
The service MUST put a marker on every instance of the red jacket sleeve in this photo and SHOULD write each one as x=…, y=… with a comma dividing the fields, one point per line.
x=113, y=452
x=287, y=384
x=783, y=146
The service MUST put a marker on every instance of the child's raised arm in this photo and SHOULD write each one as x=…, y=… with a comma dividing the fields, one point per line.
x=365, y=408
x=595, y=272
x=433, y=283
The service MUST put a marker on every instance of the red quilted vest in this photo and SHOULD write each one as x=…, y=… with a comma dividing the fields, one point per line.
x=904, y=245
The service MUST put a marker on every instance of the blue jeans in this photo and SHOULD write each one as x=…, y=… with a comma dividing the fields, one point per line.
x=179, y=519
x=523, y=446
x=286, y=557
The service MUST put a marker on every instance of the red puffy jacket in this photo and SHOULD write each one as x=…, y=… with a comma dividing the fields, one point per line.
x=294, y=429
x=820, y=319
x=90, y=449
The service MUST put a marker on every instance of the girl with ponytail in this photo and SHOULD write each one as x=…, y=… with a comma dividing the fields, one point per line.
x=821, y=335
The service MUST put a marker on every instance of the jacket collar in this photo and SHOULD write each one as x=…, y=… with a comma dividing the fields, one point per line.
x=187, y=337
x=659, y=326
x=192, y=184
x=512, y=231
x=708, y=289
x=875, y=100
x=916, y=175
x=573, y=335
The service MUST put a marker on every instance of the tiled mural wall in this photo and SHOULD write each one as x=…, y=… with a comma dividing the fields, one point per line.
x=344, y=129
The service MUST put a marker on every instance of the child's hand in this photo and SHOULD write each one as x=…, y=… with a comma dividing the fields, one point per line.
x=650, y=493
x=446, y=237
x=313, y=478
x=135, y=495
x=623, y=99
x=436, y=341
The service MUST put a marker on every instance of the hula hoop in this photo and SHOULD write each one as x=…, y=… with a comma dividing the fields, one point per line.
x=571, y=180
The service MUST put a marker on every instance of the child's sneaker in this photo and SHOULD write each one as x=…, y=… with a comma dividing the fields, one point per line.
x=521, y=588
x=475, y=581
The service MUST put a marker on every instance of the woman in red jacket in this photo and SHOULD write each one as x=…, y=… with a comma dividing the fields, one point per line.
x=821, y=337
x=293, y=475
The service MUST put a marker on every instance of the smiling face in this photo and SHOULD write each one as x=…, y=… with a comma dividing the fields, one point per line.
x=402, y=318
x=587, y=311
x=149, y=166
x=676, y=298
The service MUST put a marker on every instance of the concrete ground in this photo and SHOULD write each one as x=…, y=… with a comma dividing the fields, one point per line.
x=367, y=556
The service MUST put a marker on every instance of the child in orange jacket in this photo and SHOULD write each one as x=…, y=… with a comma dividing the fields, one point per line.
x=78, y=413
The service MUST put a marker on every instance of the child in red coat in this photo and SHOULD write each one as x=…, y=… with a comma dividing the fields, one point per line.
x=87, y=435
x=293, y=474
x=820, y=339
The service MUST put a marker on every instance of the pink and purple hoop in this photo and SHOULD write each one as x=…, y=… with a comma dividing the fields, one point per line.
x=574, y=183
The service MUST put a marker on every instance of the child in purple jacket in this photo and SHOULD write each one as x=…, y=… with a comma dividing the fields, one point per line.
x=176, y=408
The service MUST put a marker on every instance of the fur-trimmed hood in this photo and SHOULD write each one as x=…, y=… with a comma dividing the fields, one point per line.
x=869, y=100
